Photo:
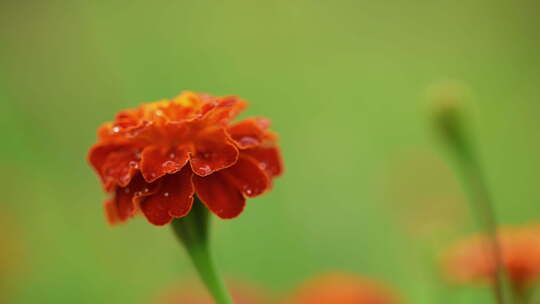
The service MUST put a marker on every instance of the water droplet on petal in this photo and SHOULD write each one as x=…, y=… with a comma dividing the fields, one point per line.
x=248, y=141
x=205, y=169
x=248, y=191
x=171, y=156
x=166, y=194
x=146, y=190
x=168, y=164
x=116, y=129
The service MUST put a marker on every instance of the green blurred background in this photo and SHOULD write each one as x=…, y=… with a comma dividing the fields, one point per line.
x=346, y=85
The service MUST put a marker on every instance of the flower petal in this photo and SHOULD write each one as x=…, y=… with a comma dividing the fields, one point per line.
x=218, y=193
x=213, y=152
x=111, y=212
x=269, y=159
x=189, y=106
x=248, y=177
x=222, y=109
x=98, y=155
x=174, y=199
x=119, y=168
x=120, y=207
x=124, y=203
x=156, y=161
x=248, y=133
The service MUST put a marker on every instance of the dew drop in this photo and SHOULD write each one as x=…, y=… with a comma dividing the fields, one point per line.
x=171, y=156
x=205, y=169
x=166, y=194
x=168, y=164
x=249, y=191
x=116, y=129
x=145, y=190
x=248, y=141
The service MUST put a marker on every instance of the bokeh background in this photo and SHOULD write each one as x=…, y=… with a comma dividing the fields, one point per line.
x=346, y=83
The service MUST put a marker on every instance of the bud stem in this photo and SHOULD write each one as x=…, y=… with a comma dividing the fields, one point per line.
x=450, y=125
x=192, y=232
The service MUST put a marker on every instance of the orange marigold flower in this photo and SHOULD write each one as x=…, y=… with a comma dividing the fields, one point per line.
x=341, y=288
x=192, y=293
x=156, y=157
x=470, y=260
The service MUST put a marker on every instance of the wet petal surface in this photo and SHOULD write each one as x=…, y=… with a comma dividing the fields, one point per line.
x=248, y=177
x=174, y=199
x=219, y=195
x=213, y=152
x=156, y=161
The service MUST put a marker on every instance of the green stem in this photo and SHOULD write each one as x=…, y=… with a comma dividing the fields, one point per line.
x=522, y=294
x=450, y=124
x=192, y=232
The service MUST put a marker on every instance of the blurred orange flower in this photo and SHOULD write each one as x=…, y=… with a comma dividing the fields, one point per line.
x=156, y=157
x=470, y=260
x=242, y=293
x=340, y=288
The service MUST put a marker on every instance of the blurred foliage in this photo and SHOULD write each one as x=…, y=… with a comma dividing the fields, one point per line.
x=345, y=84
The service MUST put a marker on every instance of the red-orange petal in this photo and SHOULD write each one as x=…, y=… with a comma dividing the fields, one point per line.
x=121, y=206
x=98, y=155
x=124, y=203
x=174, y=199
x=213, y=153
x=248, y=133
x=248, y=177
x=111, y=211
x=223, y=109
x=119, y=168
x=269, y=159
x=156, y=161
x=218, y=193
